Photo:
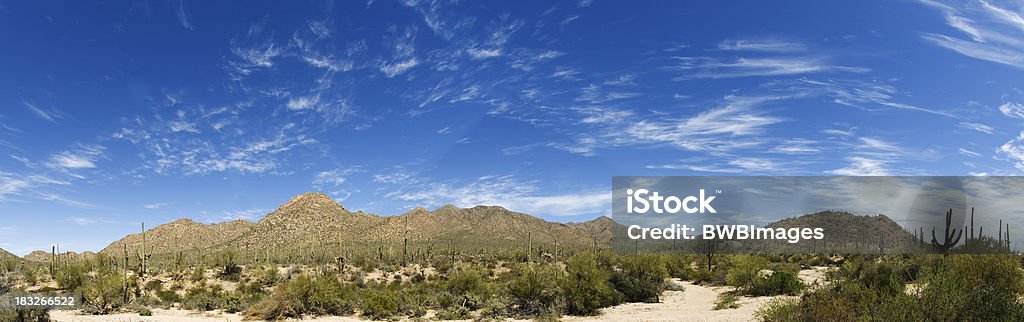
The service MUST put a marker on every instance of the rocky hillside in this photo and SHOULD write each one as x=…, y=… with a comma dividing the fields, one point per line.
x=181, y=234
x=6, y=255
x=313, y=220
x=41, y=256
x=846, y=229
x=308, y=219
x=481, y=226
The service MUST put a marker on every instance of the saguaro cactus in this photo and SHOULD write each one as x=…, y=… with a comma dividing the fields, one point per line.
x=948, y=240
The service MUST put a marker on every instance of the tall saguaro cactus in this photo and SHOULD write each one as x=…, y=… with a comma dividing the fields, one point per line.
x=948, y=240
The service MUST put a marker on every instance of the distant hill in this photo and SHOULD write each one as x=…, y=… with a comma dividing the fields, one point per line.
x=42, y=256
x=843, y=229
x=315, y=221
x=181, y=234
x=7, y=255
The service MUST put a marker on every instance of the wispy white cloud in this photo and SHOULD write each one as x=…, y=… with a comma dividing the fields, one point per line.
x=568, y=20
x=969, y=153
x=333, y=178
x=860, y=94
x=995, y=31
x=319, y=28
x=303, y=102
x=81, y=157
x=82, y=221
x=156, y=205
x=763, y=45
x=65, y=200
x=1013, y=151
x=736, y=124
x=796, y=146
x=748, y=165
x=51, y=115
x=862, y=166
x=183, y=15
x=251, y=59
x=714, y=68
x=1013, y=110
x=11, y=185
x=977, y=127
x=397, y=68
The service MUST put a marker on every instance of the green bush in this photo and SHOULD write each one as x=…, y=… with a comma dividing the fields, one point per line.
x=72, y=277
x=323, y=295
x=203, y=298
x=746, y=271
x=534, y=290
x=469, y=286
x=379, y=304
x=231, y=273
x=705, y=277
x=778, y=283
x=975, y=287
x=779, y=310
x=640, y=278
x=726, y=300
x=167, y=297
x=586, y=287
x=103, y=293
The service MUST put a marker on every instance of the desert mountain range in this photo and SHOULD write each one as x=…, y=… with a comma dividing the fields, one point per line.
x=313, y=219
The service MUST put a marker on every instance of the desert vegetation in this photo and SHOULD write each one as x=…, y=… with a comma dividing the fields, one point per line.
x=545, y=276
x=862, y=287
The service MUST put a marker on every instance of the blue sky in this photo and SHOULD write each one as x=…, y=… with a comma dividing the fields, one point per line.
x=121, y=112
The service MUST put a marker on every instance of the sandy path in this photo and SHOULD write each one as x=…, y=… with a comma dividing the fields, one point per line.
x=696, y=303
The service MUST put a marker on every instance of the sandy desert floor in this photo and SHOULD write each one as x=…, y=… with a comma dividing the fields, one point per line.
x=694, y=303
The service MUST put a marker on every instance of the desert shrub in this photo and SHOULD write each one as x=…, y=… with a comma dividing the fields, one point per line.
x=881, y=276
x=302, y=295
x=534, y=290
x=778, y=283
x=29, y=276
x=746, y=271
x=266, y=276
x=198, y=274
x=975, y=287
x=103, y=293
x=779, y=310
x=230, y=272
x=167, y=297
x=498, y=308
x=679, y=266
x=418, y=278
x=246, y=295
x=28, y=315
x=154, y=285
x=469, y=286
x=71, y=277
x=640, y=278
x=379, y=304
x=203, y=298
x=705, y=277
x=586, y=287
x=726, y=300
x=453, y=313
